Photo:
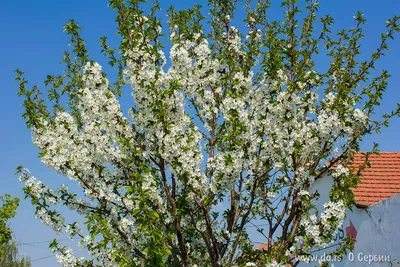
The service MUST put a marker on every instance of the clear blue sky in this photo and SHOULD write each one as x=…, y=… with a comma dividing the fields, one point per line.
x=32, y=39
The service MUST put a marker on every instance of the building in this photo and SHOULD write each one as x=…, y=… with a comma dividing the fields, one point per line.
x=375, y=221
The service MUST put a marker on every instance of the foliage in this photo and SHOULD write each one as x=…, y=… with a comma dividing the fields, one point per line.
x=8, y=249
x=231, y=131
x=8, y=206
x=11, y=257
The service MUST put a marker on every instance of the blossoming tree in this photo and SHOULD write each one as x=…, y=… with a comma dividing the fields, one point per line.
x=230, y=131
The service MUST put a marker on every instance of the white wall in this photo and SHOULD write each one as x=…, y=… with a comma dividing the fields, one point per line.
x=378, y=231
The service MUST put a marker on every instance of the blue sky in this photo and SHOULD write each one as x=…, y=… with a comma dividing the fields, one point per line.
x=32, y=39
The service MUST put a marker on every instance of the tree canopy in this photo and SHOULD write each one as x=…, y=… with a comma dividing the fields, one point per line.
x=231, y=130
x=8, y=208
x=8, y=249
x=11, y=257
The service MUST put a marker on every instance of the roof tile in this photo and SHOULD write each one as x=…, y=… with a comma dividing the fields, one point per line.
x=380, y=181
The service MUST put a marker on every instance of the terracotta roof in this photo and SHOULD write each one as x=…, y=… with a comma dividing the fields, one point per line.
x=263, y=247
x=380, y=181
